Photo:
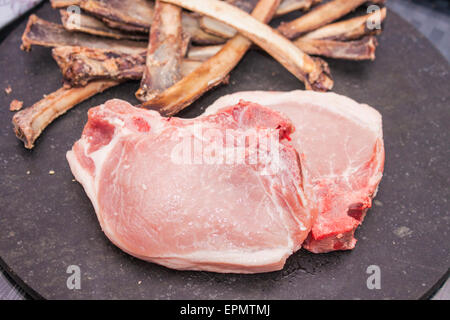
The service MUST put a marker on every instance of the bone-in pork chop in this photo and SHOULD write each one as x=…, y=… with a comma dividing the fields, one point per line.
x=342, y=143
x=173, y=191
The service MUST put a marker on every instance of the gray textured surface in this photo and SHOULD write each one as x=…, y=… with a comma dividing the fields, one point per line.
x=303, y=264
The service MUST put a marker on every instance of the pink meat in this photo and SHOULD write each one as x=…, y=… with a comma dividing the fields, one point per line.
x=342, y=144
x=195, y=212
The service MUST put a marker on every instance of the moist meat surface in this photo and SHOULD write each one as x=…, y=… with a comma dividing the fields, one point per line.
x=189, y=209
x=342, y=144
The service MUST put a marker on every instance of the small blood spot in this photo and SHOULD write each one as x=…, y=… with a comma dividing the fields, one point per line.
x=99, y=131
x=141, y=124
x=356, y=211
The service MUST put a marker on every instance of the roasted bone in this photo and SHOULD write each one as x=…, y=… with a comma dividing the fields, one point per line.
x=136, y=13
x=83, y=23
x=202, y=53
x=164, y=53
x=64, y=3
x=349, y=29
x=318, y=17
x=222, y=30
x=363, y=49
x=79, y=65
x=137, y=16
x=212, y=72
x=314, y=73
x=30, y=122
x=285, y=7
x=288, y=6
x=43, y=33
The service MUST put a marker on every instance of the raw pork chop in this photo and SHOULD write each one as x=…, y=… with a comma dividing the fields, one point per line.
x=342, y=142
x=158, y=199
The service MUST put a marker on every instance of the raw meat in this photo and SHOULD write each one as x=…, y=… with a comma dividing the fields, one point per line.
x=189, y=209
x=342, y=143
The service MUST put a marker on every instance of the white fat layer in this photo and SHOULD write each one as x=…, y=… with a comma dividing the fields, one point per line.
x=335, y=103
x=83, y=177
x=226, y=260
x=91, y=183
x=250, y=258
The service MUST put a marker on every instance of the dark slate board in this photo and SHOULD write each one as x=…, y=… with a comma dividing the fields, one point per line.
x=47, y=222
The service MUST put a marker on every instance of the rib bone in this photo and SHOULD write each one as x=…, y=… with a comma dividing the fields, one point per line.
x=136, y=13
x=285, y=7
x=349, y=29
x=91, y=25
x=212, y=72
x=79, y=65
x=318, y=17
x=64, y=3
x=43, y=33
x=312, y=72
x=288, y=6
x=222, y=30
x=203, y=53
x=363, y=49
x=164, y=52
x=137, y=16
x=29, y=123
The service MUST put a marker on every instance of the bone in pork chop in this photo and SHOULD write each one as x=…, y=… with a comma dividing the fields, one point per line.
x=342, y=143
x=160, y=199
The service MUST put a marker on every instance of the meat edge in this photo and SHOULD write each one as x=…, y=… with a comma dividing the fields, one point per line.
x=334, y=102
